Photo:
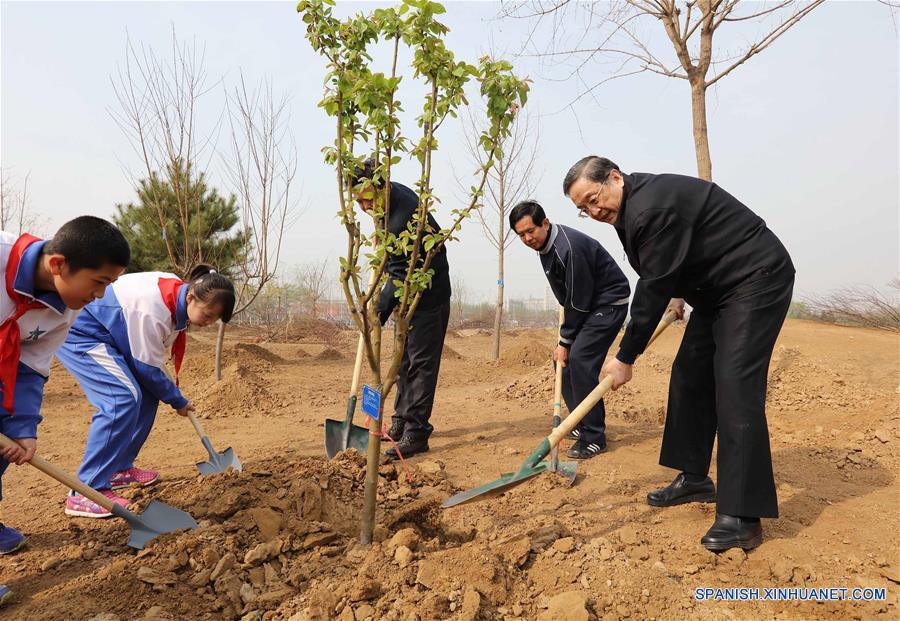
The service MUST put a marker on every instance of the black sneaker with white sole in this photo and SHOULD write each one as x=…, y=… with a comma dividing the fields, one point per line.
x=585, y=450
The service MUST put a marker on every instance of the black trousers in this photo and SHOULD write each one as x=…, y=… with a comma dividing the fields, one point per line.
x=582, y=373
x=419, y=370
x=719, y=383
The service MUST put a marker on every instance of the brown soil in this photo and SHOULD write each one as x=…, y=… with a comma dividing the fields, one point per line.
x=449, y=353
x=526, y=352
x=278, y=541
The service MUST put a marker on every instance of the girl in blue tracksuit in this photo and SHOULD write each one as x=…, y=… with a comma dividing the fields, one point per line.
x=116, y=349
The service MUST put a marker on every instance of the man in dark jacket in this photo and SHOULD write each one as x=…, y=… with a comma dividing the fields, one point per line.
x=418, y=375
x=689, y=239
x=593, y=292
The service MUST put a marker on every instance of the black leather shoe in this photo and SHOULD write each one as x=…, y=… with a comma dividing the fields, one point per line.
x=408, y=446
x=680, y=491
x=396, y=429
x=574, y=435
x=729, y=531
x=586, y=450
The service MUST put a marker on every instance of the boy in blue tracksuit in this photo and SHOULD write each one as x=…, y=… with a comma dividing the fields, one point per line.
x=46, y=283
x=117, y=350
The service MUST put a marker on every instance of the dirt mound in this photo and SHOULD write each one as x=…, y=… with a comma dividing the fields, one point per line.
x=245, y=383
x=309, y=329
x=199, y=345
x=467, y=332
x=535, y=387
x=258, y=352
x=241, y=391
x=530, y=353
x=282, y=537
x=329, y=353
x=449, y=353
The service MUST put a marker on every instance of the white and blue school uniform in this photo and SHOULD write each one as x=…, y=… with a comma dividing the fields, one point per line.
x=117, y=351
x=36, y=322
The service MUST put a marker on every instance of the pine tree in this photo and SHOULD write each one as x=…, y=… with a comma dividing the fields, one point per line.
x=178, y=222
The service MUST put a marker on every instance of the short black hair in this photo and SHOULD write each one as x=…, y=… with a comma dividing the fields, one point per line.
x=366, y=170
x=529, y=208
x=593, y=167
x=90, y=242
x=211, y=287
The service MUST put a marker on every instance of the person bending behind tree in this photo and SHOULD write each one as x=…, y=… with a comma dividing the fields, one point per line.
x=688, y=238
x=418, y=374
x=593, y=292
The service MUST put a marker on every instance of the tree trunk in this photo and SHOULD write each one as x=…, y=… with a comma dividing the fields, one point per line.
x=701, y=133
x=220, y=340
x=498, y=312
x=370, y=488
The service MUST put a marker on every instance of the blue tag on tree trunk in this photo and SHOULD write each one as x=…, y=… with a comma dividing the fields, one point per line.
x=371, y=402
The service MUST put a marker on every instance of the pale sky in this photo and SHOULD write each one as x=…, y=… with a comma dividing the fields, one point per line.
x=805, y=134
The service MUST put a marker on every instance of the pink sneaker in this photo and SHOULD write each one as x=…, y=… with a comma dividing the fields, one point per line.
x=133, y=475
x=81, y=506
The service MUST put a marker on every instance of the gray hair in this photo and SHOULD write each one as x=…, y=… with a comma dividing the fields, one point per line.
x=593, y=167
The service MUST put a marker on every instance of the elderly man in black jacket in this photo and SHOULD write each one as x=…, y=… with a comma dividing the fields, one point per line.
x=688, y=238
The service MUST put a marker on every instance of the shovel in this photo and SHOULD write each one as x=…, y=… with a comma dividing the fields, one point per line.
x=157, y=519
x=533, y=464
x=567, y=469
x=218, y=462
x=341, y=435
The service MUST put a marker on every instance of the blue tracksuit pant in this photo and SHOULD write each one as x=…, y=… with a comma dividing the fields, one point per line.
x=125, y=412
x=582, y=373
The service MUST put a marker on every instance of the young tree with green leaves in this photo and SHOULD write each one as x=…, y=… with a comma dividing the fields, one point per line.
x=365, y=107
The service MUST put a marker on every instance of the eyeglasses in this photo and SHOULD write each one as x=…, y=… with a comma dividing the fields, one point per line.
x=585, y=212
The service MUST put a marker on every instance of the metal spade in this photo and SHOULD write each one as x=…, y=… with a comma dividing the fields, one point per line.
x=157, y=519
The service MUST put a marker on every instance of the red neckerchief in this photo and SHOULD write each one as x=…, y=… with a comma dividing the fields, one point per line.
x=10, y=338
x=168, y=287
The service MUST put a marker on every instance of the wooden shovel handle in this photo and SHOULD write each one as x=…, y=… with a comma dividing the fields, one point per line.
x=575, y=416
x=357, y=367
x=63, y=477
x=557, y=387
x=360, y=350
x=196, y=423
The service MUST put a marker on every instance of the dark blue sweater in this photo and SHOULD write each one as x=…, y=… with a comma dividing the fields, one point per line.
x=404, y=203
x=583, y=277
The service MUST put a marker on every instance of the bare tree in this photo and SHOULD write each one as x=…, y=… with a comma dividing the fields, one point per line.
x=511, y=180
x=460, y=298
x=159, y=112
x=262, y=166
x=314, y=281
x=860, y=305
x=614, y=33
x=15, y=213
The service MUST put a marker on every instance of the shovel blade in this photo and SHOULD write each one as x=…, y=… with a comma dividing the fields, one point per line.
x=157, y=519
x=505, y=482
x=220, y=462
x=336, y=432
x=568, y=470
